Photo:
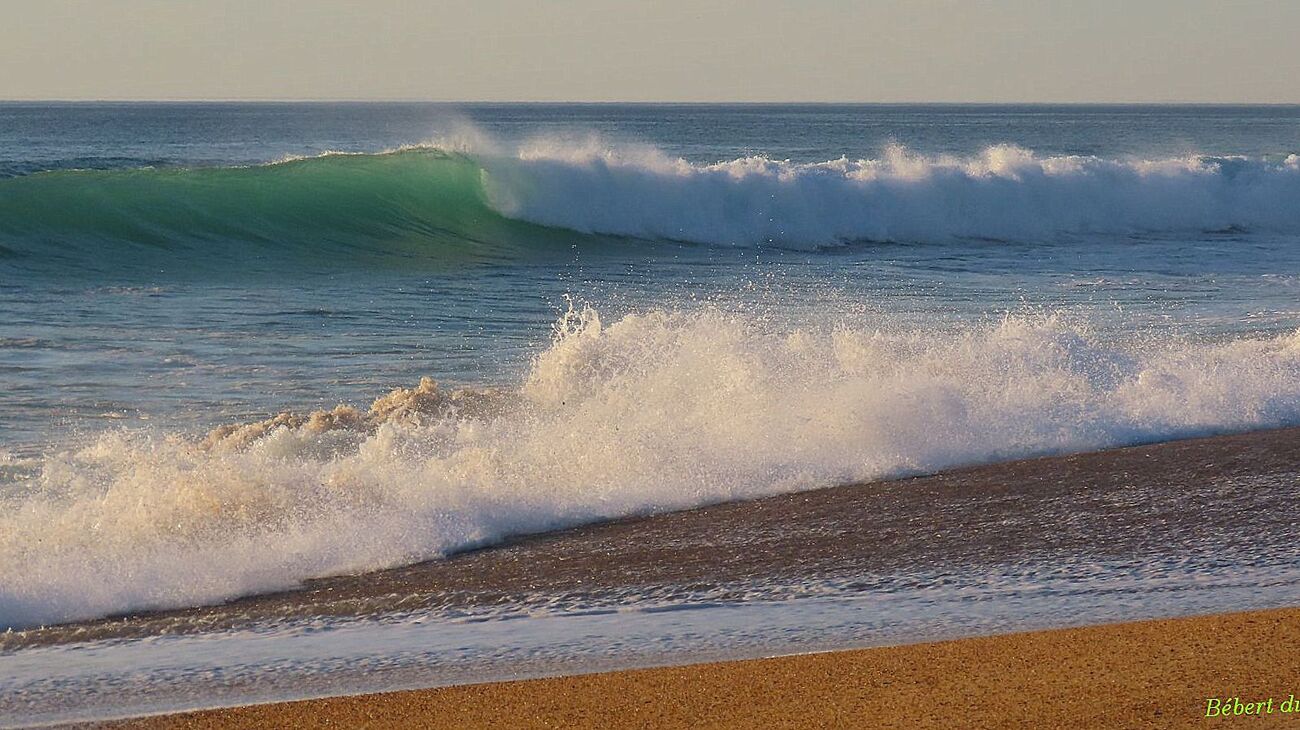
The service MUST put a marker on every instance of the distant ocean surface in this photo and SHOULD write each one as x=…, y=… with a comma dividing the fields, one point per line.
x=619, y=309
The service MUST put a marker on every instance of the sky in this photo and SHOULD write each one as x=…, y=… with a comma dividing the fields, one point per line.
x=654, y=50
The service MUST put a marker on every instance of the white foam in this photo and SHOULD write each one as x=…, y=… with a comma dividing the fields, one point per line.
x=655, y=411
x=1005, y=193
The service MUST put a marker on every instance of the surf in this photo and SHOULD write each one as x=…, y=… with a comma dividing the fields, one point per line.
x=445, y=204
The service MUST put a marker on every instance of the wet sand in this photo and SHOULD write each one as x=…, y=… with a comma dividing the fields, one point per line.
x=1236, y=495
x=1145, y=674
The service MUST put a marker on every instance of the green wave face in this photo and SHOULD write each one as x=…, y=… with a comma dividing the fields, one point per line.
x=399, y=206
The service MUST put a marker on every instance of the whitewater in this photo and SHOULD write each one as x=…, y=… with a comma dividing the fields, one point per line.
x=1004, y=193
x=656, y=411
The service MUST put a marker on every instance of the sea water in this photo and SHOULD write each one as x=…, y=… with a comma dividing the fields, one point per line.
x=626, y=309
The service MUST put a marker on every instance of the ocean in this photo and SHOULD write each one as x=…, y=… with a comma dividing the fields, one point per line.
x=245, y=346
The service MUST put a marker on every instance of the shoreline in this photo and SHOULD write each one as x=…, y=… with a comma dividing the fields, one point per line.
x=1159, y=672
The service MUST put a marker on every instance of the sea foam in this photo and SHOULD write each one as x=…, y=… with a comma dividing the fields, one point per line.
x=1004, y=193
x=658, y=410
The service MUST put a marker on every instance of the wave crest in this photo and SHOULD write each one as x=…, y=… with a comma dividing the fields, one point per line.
x=1005, y=193
x=401, y=405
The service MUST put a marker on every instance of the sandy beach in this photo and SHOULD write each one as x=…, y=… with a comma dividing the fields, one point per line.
x=1151, y=673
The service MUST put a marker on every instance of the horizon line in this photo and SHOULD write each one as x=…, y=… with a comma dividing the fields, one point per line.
x=730, y=102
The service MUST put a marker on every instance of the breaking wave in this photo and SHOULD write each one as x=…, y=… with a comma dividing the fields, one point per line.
x=1006, y=193
x=659, y=410
x=445, y=203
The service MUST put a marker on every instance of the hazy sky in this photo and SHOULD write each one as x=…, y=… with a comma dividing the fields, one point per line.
x=689, y=50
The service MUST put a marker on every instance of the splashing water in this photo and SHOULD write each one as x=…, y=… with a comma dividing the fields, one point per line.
x=658, y=410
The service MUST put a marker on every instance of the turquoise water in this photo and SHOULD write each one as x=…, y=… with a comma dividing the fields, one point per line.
x=671, y=305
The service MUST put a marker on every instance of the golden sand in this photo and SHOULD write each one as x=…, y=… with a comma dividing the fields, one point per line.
x=1144, y=674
